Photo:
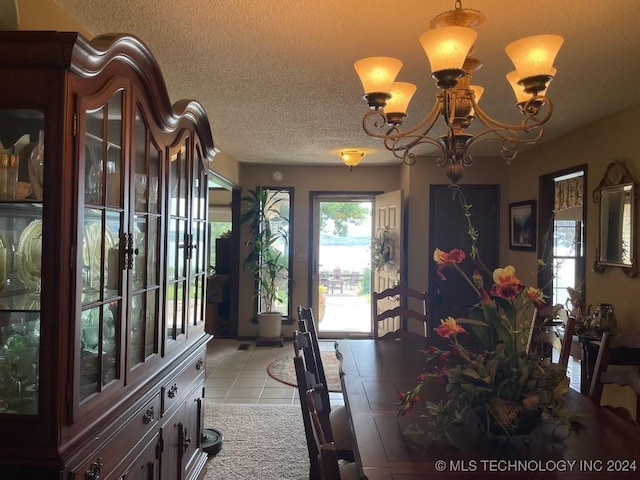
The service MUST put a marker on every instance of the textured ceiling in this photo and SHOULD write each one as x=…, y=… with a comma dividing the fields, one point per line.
x=276, y=77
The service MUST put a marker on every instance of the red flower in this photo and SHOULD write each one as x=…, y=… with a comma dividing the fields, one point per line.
x=444, y=259
x=448, y=327
x=536, y=296
x=506, y=284
x=441, y=373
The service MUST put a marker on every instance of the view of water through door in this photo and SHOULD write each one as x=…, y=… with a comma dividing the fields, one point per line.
x=342, y=276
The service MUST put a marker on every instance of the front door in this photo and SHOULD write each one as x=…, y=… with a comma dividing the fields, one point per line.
x=341, y=284
x=448, y=229
x=388, y=223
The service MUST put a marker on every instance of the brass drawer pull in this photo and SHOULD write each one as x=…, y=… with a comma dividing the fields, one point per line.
x=148, y=417
x=173, y=391
x=94, y=470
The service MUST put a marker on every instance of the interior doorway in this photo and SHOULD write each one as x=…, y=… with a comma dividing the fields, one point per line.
x=341, y=281
x=448, y=229
x=223, y=233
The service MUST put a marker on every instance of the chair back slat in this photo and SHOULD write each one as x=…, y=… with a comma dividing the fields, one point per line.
x=302, y=344
x=394, y=319
x=330, y=469
x=620, y=350
x=305, y=316
x=315, y=469
x=543, y=339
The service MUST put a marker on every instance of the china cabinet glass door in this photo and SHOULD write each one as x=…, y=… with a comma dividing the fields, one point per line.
x=198, y=242
x=21, y=241
x=177, y=245
x=144, y=277
x=102, y=242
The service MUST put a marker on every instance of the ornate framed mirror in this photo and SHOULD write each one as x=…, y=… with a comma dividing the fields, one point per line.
x=617, y=195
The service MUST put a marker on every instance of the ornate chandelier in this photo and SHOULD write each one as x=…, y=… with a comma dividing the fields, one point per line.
x=449, y=46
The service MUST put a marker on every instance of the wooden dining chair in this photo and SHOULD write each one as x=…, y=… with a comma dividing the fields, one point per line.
x=303, y=379
x=621, y=350
x=545, y=337
x=390, y=322
x=330, y=466
x=335, y=420
x=337, y=416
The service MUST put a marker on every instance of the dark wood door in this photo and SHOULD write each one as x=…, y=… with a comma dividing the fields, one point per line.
x=448, y=229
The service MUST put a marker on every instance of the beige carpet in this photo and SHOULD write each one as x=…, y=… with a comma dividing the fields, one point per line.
x=262, y=442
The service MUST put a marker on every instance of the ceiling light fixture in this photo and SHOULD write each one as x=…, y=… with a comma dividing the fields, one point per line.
x=351, y=158
x=448, y=45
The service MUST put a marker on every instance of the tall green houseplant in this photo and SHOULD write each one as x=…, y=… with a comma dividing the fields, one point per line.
x=266, y=260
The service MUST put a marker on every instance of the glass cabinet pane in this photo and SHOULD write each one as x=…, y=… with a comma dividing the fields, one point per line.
x=21, y=241
x=139, y=265
x=99, y=347
x=103, y=153
x=154, y=179
x=137, y=348
x=101, y=265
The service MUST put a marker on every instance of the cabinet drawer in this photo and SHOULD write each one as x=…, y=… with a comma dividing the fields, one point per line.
x=106, y=461
x=176, y=389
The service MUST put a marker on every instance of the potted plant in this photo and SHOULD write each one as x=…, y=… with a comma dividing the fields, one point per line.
x=267, y=259
x=322, y=301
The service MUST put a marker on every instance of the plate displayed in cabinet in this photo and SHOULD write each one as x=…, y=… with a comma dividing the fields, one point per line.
x=3, y=261
x=29, y=255
x=92, y=245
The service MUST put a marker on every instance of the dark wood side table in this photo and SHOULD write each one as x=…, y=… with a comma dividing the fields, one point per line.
x=590, y=346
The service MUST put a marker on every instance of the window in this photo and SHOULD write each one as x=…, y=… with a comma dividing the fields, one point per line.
x=567, y=252
x=269, y=211
x=562, y=210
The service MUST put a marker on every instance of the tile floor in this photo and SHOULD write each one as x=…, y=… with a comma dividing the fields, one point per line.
x=240, y=376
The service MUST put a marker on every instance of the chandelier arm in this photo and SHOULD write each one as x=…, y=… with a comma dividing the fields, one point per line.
x=530, y=109
x=424, y=125
x=509, y=138
x=509, y=142
x=402, y=150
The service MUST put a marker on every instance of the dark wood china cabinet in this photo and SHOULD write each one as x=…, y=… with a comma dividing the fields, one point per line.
x=103, y=214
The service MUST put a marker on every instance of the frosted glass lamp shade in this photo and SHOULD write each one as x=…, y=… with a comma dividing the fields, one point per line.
x=521, y=96
x=377, y=74
x=447, y=47
x=351, y=158
x=533, y=56
x=401, y=94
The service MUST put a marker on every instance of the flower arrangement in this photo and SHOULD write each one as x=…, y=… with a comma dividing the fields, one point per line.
x=485, y=363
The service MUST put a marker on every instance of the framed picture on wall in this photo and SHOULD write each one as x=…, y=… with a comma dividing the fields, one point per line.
x=522, y=225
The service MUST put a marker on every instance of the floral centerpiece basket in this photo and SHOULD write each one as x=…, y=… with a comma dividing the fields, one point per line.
x=484, y=360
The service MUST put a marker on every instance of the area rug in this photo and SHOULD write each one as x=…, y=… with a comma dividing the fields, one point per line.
x=283, y=371
x=263, y=442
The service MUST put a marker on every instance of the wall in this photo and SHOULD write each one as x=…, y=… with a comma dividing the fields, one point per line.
x=305, y=179
x=597, y=145
x=47, y=15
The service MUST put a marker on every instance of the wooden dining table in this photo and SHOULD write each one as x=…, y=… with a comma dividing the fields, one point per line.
x=600, y=446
